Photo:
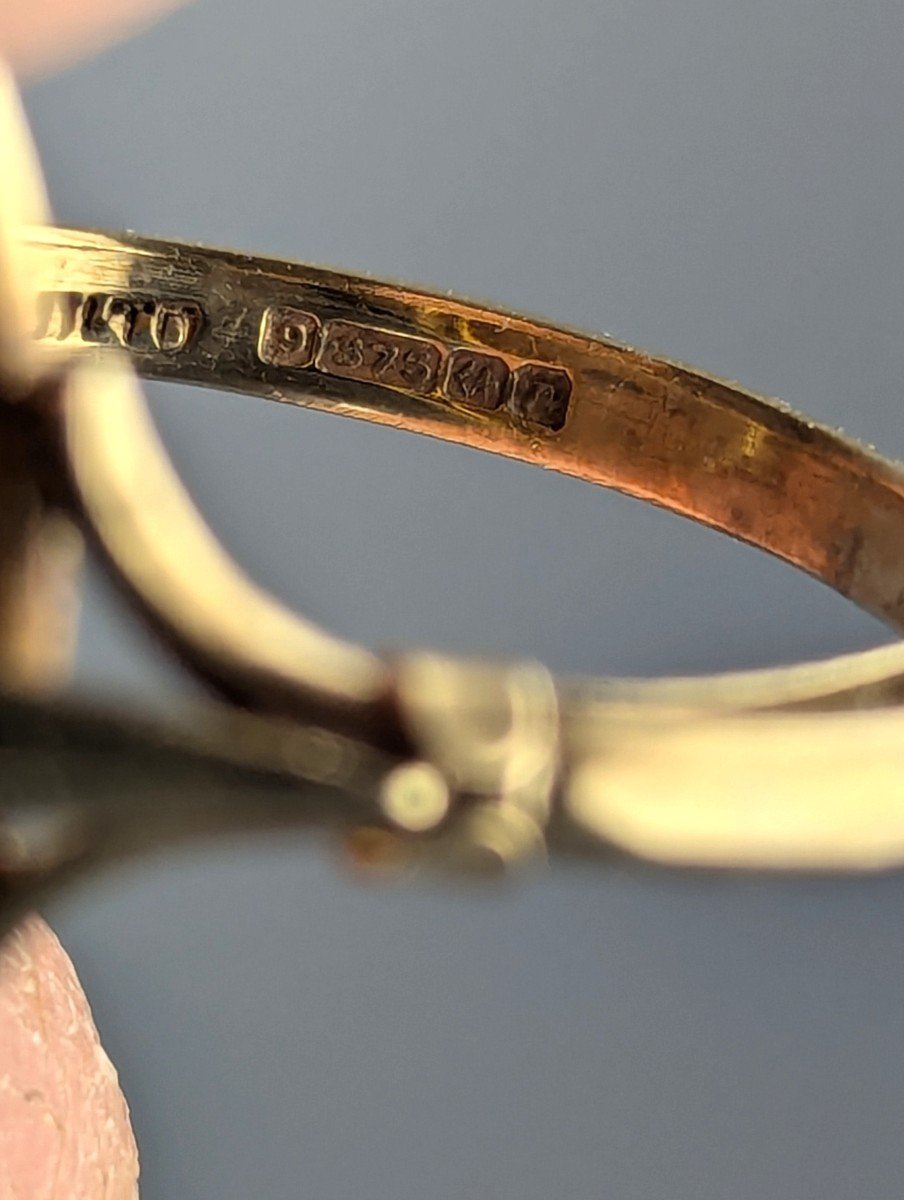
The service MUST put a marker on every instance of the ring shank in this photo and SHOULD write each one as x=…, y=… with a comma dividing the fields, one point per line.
x=583, y=406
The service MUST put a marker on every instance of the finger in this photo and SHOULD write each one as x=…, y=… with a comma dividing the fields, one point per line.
x=64, y=1123
x=42, y=34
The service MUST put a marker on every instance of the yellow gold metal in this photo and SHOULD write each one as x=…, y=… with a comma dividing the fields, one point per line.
x=415, y=796
x=581, y=405
x=782, y=793
x=704, y=448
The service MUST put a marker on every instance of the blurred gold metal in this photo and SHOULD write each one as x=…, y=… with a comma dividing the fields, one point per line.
x=40, y=547
x=785, y=793
x=417, y=759
x=81, y=787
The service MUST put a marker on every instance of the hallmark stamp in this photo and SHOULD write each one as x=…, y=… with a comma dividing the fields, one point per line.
x=394, y=360
x=475, y=379
x=141, y=325
x=540, y=395
x=288, y=337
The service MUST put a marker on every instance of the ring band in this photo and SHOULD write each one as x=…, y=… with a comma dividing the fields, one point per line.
x=583, y=406
x=583, y=764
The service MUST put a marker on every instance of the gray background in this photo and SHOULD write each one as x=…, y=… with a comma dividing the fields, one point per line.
x=719, y=181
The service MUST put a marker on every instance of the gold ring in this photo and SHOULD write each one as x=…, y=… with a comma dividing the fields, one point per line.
x=605, y=413
x=581, y=405
x=455, y=761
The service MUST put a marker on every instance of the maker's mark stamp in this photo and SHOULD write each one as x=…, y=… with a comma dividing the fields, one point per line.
x=106, y=319
x=142, y=325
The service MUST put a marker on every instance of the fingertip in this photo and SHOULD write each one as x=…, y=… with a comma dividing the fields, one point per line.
x=44, y=35
x=64, y=1122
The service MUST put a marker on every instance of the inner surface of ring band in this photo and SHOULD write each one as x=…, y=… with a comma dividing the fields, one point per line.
x=583, y=406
